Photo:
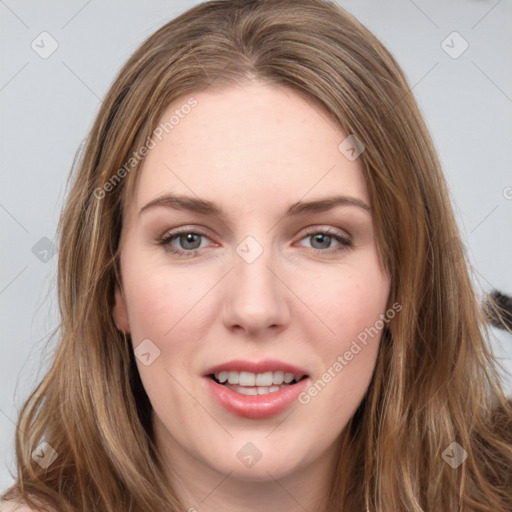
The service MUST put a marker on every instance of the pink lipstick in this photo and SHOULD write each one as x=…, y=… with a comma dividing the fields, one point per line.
x=255, y=390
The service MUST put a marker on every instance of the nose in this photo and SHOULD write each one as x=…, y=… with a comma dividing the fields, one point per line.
x=256, y=296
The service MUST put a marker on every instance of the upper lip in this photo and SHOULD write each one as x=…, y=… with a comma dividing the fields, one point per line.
x=267, y=365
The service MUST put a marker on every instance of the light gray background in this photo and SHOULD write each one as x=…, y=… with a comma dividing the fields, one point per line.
x=48, y=105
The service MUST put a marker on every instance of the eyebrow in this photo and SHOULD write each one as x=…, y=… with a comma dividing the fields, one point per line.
x=205, y=207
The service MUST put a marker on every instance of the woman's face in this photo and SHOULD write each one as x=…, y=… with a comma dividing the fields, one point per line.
x=279, y=283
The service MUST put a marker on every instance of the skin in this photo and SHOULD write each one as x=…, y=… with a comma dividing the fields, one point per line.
x=253, y=150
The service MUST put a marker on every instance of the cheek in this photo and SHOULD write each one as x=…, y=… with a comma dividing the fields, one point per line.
x=164, y=306
x=352, y=304
x=161, y=302
x=347, y=300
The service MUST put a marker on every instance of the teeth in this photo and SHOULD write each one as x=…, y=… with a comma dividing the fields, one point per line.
x=253, y=391
x=247, y=391
x=260, y=380
x=247, y=379
x=265, y=390
x=264, y=379
x=278, y=378
x=233, y=377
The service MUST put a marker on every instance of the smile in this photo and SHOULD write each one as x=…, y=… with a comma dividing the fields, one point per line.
x=255, y=390
x=248, y=383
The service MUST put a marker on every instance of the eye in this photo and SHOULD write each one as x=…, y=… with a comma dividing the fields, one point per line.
x=321, y=240
x=188, y=241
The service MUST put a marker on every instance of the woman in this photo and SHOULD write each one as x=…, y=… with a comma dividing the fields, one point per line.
x=265, y=302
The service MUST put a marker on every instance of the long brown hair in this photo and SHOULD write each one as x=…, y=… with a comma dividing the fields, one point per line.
x=435, y=382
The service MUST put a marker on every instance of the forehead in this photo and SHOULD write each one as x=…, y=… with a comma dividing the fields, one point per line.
x=247, y=145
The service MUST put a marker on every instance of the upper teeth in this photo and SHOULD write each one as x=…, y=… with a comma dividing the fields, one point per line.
x=256, y=379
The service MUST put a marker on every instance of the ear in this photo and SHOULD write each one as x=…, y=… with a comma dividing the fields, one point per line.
x=119, y=311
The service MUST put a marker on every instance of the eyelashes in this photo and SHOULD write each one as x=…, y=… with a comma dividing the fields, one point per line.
x=166, y=240
x=321, y=236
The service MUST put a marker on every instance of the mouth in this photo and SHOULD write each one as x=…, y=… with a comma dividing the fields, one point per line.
x=255, y=390
x=252, y=384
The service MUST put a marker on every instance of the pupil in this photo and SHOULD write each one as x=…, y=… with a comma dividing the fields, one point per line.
x=189, y=238
x=325, y=238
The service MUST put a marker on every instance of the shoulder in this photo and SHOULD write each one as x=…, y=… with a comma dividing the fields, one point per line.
x=12, y=506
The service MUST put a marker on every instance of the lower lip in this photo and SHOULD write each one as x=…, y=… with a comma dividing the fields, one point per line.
x=255, y=407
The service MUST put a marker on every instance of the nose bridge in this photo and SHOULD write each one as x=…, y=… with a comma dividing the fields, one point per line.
x=255, y=296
